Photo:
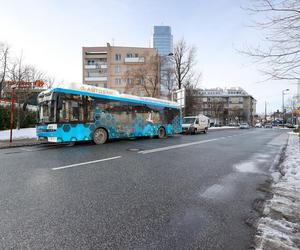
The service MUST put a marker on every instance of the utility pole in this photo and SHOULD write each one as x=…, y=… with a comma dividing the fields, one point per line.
x=265, y=111
x=12, y=106
x=283, y=112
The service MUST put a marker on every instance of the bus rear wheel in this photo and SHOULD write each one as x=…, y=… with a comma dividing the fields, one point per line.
x=161, y=133
x=100, y=136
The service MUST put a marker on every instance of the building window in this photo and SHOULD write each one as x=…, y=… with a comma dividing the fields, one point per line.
x=129, y=55
x=136, y=55
x=129, y=80
x=117, y=68
x=118, y=57
x=118, y=81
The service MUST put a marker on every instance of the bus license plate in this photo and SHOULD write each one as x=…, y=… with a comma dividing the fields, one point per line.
x=52, y=139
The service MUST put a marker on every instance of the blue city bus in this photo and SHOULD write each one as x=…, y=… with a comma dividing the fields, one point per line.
x=84, y=113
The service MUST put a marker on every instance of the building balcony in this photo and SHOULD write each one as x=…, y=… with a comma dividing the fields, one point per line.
x=134, y=59
x=95, y=66
x=96, y=79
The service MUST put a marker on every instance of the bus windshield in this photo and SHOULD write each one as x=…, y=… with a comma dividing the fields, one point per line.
x=46, y=111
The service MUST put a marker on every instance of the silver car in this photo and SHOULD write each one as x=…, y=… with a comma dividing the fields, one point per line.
x=244, y=125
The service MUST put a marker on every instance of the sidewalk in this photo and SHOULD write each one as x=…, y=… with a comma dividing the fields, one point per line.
x=19, y=143
x=279, y=228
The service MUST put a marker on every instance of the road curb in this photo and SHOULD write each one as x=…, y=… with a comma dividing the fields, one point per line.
x=28, y=144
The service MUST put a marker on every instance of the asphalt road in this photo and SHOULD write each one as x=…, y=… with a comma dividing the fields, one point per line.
x=184, y=192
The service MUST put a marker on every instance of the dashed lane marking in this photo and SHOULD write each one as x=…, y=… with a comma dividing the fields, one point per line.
x=86, y=163
x=177, y=146
x=186, y=144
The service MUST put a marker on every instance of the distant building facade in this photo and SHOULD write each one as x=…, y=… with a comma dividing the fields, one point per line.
x=225, y=106
x=110, y=67
x=163, y=40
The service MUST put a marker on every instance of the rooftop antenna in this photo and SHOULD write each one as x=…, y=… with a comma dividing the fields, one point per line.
x=113, y=42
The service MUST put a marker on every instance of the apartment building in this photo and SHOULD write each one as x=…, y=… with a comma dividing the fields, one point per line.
x=126, y=69
x=226, y=106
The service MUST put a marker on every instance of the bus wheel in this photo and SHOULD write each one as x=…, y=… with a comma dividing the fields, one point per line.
x=100, y=136
x=161, y=133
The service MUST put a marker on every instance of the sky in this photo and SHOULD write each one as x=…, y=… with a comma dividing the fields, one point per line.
x=50, y=35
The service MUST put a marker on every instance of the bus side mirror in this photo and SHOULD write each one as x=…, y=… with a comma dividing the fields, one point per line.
x=59, y=102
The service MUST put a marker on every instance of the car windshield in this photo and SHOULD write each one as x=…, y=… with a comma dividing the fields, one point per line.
x=188, y=120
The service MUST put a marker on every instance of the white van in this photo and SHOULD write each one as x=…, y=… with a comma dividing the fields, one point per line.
x=195, y=124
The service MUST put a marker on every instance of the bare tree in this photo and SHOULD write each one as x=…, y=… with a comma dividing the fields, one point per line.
x=280, y=22
x=192, y=94
x=145, y=77
x=48, y=81
x=168, y=73
x=235, y=114
x=217, y=108
x=18, y=75
x=184, y=58
x=4, y=54
x=24, y=78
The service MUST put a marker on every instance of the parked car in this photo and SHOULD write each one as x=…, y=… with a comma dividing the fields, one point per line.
x=258, y=125
x=244, y=125
x=195, y=124
x=268, y=125
x=289, y=125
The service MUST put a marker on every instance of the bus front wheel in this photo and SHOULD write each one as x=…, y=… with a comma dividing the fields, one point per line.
x=100, y=136
x=161, y=133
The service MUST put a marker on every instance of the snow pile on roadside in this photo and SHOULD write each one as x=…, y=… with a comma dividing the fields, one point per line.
x=224, y=127
x=280, y=226
x=23, y=133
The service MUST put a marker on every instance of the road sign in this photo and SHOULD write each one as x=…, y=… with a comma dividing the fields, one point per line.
x=179, y=97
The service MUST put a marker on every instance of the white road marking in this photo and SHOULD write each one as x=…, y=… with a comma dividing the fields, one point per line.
x=186, y=144
x=27, y=149
x=86, y=163
x=178, y=146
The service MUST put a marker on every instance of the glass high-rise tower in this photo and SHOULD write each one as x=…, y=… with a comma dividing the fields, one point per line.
x=163, y=40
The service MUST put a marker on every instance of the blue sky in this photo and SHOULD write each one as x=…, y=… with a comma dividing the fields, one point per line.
x=51, y=34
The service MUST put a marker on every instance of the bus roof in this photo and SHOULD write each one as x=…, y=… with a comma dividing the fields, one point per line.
x=88, y=90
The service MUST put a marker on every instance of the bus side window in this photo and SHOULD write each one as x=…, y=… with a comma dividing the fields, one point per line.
x=88, y=114
x=74, y=111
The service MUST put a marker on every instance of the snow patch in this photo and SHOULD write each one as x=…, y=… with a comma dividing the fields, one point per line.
x=224, y=127
x=280, y=228
x=247, y=167
x=23, y=133
x=250, y=166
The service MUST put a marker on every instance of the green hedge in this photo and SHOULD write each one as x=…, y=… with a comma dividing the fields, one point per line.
x=27, y=118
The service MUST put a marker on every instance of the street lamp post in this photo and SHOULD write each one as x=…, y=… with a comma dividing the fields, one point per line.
x=12, y=106
x=283, y=112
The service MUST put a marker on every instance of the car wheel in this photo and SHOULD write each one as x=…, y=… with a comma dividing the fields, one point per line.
x=100, y=136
